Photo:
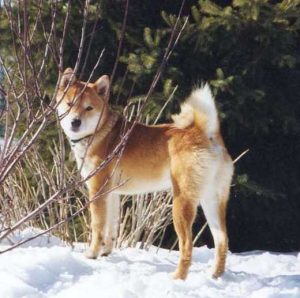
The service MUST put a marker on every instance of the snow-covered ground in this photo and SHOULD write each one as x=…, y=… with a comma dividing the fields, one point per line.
x=48, y=269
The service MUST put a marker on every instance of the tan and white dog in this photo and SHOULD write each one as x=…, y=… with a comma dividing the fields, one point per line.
x=188, y=156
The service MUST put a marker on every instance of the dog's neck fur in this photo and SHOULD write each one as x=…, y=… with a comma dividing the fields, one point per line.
x=85, y=148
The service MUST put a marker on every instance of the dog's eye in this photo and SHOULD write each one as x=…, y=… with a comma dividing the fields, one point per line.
x=89, y=108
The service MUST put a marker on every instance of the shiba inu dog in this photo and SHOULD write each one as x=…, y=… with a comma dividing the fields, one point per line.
x=187, y=156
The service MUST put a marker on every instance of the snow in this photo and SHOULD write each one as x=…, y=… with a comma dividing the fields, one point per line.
x=43, y=240
x=49, y=269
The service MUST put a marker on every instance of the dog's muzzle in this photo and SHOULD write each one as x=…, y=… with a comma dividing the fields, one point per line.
x=75, y=123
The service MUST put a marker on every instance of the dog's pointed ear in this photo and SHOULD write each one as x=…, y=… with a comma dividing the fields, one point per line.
x=68, y=78
x=102, y=86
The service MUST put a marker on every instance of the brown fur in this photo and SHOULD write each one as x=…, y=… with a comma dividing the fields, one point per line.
x=154, y=158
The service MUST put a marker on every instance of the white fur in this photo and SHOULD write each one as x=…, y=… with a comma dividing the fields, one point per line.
x=111, y=224
x=218, y=179
x=186, y=116
x=143, y=185
x=85, y=164
x=87, y=168
x=87, y=127
x=113, y=211
x=202, y=101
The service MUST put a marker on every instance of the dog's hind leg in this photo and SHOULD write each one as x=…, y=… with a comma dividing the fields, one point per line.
x=214, y=207
x=184, y=212
x=215, y=214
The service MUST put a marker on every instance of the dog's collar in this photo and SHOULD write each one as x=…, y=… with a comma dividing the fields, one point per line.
x=102, y=132
x=81, y=139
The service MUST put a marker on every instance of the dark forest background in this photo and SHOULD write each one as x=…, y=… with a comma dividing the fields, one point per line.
x=249, y=51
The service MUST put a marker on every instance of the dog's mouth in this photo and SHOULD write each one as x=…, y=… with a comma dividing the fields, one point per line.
x=75, y=129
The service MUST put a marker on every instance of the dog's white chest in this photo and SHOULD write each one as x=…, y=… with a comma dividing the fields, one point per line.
x=84, y=165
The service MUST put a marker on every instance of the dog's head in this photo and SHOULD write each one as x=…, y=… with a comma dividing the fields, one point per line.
x=82, y=107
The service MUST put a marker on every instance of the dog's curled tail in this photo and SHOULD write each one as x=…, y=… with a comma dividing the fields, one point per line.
x=199, y=109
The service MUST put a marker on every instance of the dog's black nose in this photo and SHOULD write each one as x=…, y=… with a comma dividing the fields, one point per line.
x=76, y=123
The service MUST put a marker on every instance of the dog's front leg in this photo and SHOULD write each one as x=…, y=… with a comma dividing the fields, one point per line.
x=98, y=210
x=112, y=223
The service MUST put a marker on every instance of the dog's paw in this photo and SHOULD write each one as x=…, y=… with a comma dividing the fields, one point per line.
x=104, y=254
x=105, y=251
x=89, y=254
x=179, y=275
x=217, y=273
